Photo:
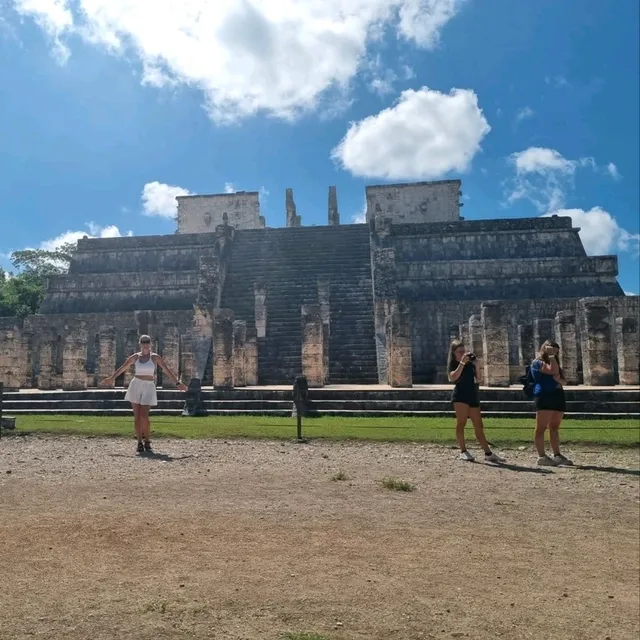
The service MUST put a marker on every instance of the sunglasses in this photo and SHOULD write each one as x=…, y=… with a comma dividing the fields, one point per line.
x=145, y=341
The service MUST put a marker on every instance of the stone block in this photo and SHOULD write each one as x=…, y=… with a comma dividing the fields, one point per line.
x=47, y=373
x=74, y=373
x=495, y=341
x=312, y=345
x=324, y=298
x=171, y=354
x=567, y=339
x=543, y=329
x=107, y=355
x=260, y=293
x=188, y=357
x=251, y=358
x=131, y=346
x=476, y=345
x=203, y=213
x=399, y=346
x=628, y=344
x=12, y=358
x=526, y=345
x=223, y=349
x=239, y=353
x=597, y=344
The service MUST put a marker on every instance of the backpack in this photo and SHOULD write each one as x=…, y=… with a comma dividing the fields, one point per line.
x=528, y=383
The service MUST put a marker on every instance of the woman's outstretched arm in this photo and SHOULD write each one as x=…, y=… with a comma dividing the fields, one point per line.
x=162, y=364
x=128, y=362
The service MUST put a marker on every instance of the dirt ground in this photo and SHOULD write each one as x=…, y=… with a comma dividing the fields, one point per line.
x=243, y=540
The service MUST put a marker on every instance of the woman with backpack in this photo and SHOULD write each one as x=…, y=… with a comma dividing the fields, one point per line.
x=548, y=396
x=466, y=400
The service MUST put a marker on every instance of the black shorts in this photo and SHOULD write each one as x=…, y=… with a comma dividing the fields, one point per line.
x=552, y=401
x=472, y=400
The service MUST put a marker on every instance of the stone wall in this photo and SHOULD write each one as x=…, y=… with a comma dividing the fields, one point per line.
x=202, y=214
x=416, y=202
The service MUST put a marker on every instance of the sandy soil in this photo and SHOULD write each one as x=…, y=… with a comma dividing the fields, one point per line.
x=244, y=540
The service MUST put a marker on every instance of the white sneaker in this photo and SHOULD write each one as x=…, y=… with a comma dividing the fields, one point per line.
x=561, y=460
x=466, y=456
x=493, y=457
x=546, y=461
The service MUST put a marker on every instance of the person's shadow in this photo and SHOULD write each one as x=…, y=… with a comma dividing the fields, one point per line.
x=152, y=455
x=518, y=468
x=618, y=470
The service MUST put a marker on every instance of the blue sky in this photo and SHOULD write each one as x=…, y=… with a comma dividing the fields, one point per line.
x=108, y=109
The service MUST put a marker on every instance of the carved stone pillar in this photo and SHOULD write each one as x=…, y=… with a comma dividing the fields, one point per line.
x=47, y=374
x=312, y=345
x=399, y=346
x=324, y=297
x=463, y=332
x=597, y=348
x=131, y=346
x=107, y=355
x=251, y=358
x=223, y=349
x=334, y=215
x=171, y=354
x=495, y=340
x=260, y=293
x=293, y=220
x=566, y=337
x=187, y=358
x=12, y=358
x=543, y=329
x=26, y=348
x=627, y=341
x=476, y=346
x=526, y=345
x=384, y=286
x=239, y=353
x=74, y=354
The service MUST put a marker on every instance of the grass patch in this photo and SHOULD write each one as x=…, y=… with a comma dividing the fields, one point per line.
x=339, y=476
x=303, y=636
x=501, y=431
x=395, y=484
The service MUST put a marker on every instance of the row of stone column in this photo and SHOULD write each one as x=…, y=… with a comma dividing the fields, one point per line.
x=488, y=337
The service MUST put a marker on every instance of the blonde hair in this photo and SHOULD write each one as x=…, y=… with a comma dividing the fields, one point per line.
x=453, y=347
x=542, y=355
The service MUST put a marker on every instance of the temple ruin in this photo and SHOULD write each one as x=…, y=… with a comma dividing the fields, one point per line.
x=235, y=303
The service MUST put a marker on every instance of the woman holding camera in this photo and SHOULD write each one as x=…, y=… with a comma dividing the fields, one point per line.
x=550, y=403
x=466, y=400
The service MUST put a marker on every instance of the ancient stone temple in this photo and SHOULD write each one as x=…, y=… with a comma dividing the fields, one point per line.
x=233, y=302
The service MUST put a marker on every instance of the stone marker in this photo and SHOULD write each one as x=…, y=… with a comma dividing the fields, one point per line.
x=312, y=345
x=495, y=341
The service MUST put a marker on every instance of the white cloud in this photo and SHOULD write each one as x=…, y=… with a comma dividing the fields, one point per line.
x=94, y=231
x=558, y=81
x=229, y=188
x=600, y=232
x=630, y=293
x=612, y=170
x=361, y=216
x=245, y=56
x=524, y=113
x=544, y=176
x=159, y=199
x=425, y=135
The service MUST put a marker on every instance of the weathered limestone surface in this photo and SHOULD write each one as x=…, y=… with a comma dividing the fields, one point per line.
x=12, y=359
x=312, y=345
x=251, y=358
x=74, y=374
x=597, y=347
x=239, y=353
x=526, y=346
x=628, y=344
x=399, y=346
x=463, y=332
x=47, y=374
x=131, y=346
x=171, y=354
x=567, y=339
x=495, y=340
x=334, y=214
x=293, y=219
x=324, y=301
x=107, y=358
x=223, y=349
x=202, y=214
x=260, y=293
x=543, y=329
x=187, y=358
x=476, y=346
x=383, y=264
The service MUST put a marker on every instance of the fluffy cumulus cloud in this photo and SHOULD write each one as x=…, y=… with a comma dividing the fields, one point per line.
x=425, y=135
x=159, y=199
x=244, y=55
x=93, y=231
x=599, y=231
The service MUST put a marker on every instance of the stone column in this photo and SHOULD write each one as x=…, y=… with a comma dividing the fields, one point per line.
x=324, y=297
x=107, y=355
x=476, y=346
x=400, y=372
x=26, y=346
x=628, y=342
x=334, y=215
x=131, y=345
x=526, y=348
x=239, y=353
x=495, y=341
x=293, y=220
x=543, y=329
x=171, y=354
x=251, y=358
x=12, y=358
x=260, y=293
x=566, y=337
x=597, y=348
x=383, y=263
x=312, y=347
x=74, y=359
x=223, y=349
x=463, y=332
x=47, y=375
x=187, y=358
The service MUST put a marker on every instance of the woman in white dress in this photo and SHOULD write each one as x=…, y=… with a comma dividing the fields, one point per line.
x=142, y=389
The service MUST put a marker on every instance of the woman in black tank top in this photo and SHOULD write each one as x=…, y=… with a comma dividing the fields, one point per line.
x=465, y=398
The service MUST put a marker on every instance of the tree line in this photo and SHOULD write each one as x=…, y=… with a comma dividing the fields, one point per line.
x=21, y=293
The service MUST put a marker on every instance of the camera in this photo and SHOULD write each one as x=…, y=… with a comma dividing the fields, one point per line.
x=472, y=357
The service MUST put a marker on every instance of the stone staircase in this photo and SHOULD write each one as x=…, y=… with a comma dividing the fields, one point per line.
x=290, y=262
x=582, y=403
